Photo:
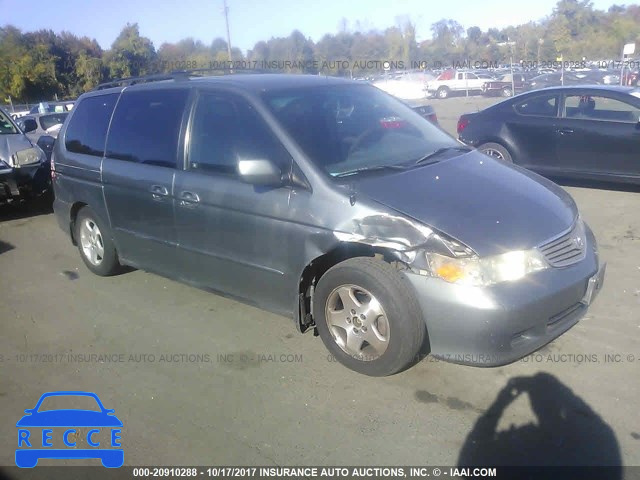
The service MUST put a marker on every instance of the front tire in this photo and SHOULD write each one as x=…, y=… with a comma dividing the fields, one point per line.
x=497, y=151
x=368, y=317
x=95, y=245
x=506, y=92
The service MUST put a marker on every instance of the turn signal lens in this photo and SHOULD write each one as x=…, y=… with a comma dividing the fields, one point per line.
x=450, y=273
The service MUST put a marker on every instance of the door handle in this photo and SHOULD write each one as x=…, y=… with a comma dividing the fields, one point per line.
x=564, y=131
x=187, y=198
x=159, y=191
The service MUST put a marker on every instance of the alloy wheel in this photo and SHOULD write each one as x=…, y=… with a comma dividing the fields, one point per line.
x=493, y=153
x=357, y=322
x=91, y=241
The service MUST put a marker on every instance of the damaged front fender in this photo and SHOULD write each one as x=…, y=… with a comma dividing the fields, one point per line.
x=385, y=231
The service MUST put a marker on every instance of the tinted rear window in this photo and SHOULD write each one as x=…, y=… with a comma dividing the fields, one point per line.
x=542, y=106
x=146, y=127
x=87, y=129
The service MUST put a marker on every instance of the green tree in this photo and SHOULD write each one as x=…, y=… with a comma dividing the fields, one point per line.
x=131, y=55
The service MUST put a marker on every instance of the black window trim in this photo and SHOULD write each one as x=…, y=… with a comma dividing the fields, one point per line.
x=106, y=137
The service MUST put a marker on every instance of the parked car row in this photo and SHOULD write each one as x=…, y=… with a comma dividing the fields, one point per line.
x=420, y=85
x=44, y=107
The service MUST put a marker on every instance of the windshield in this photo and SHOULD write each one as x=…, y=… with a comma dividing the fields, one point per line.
x=344, y=128
x=6, y=125
x=48, y=121
x=65, y=402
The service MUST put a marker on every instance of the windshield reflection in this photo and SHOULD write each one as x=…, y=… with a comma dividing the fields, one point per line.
x=354, y=128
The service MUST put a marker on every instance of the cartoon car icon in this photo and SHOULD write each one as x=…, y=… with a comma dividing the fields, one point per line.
x=33, y=447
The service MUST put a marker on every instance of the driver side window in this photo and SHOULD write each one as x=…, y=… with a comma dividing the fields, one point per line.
x=225, y=130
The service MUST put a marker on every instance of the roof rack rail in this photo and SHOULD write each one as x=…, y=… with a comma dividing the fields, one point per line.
x=225, y=70
x=122, y=82
x=175, y=75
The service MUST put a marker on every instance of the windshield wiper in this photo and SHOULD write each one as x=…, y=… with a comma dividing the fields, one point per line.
x=430, y=158
x=375, y=168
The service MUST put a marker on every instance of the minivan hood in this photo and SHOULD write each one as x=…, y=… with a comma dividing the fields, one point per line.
x=12, y=143
x=490, y=206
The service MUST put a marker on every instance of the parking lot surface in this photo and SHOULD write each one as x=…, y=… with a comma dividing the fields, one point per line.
x=198, y=379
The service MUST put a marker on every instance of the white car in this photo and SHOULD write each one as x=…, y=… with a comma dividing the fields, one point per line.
x=17, y=115
x=410, y=86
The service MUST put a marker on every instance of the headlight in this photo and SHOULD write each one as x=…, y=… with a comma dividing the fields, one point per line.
x=476, y=271
x=28, y=156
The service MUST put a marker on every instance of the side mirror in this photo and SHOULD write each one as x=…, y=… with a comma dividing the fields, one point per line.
x=260, y=172
x=29, y=125
x=29, y=410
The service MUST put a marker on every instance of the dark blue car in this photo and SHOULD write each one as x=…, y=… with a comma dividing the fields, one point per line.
x=32, y=448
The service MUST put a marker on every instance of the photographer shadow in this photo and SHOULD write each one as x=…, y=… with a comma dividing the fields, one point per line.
x=568, y=432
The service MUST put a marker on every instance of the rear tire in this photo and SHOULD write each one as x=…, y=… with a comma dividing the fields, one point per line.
x=506, y=92
x=442, y=92
x=378, y=329
x=495, y=150
x=95, y=245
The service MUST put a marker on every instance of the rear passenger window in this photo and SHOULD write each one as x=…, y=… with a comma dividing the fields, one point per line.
x=597, y=107
x=146, y=127
x=87, y=130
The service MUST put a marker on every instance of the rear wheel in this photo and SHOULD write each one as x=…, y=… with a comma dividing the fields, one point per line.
x=507, y=92
x=443, y=92
x=368, y=317
x=95, y=245
x=496, y=150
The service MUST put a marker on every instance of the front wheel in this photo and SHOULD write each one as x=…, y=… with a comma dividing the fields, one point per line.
x=496, y=150
x=368, y=317
x=506, y=92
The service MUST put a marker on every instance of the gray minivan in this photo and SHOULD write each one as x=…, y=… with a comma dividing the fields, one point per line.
x=331, y=202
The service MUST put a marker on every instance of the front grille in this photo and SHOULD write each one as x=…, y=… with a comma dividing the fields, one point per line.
x=567, y=249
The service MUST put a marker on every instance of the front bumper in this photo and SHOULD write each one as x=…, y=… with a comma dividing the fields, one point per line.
x=111, y=458
x=497, y=325
x=16, y=183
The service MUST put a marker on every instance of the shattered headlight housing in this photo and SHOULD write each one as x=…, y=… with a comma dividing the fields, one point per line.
x=462, y=266
x=28, y=156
